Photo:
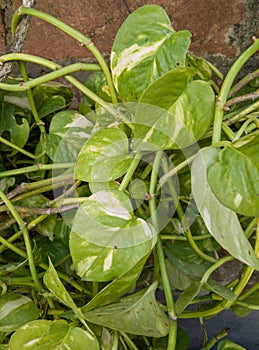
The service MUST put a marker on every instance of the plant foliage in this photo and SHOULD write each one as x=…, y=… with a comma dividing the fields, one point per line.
x=151, y=185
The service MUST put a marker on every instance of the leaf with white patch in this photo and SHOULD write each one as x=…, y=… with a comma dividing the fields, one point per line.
x=221, y=222
x=139, y=315
x=68, y=132
x=234, y=177
x=145, y=48
x=15, y=311
x=174, y=112
x=105, y=157
x=56, y=287
x=112, y=239
x=54, y=335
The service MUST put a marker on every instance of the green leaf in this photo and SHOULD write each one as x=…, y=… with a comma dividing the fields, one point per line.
x=182, y=341
x=234, y=177
x=145, y=47
x=221, y=290
x=67, y=133
x=184, y=258
x=178, y=279
x=97, y=83
x=221, y=222
x=45, y=228
x=18, y=131
x=229, y=345
x=56, y=287
x=203, y=70
x=6, y=183
x=187, y=296
x=138, y=315
x=117, y=288
x=54, y=335
x=185, y=111
x=104, y=157
x=15, y=311
x=52, y=105
x=51, y=97
x=113, y=239
x=243, y=311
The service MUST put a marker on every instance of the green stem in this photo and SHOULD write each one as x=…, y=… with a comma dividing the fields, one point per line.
x=215, y=339
x=33, y=109
x=31, y=99
x=248, y=110
x=160, y=254
x=60, y=72
x=243, y=128
x=41, y=185
x=175, y=170
x=133, y=166
x=244, y=81
x=27, y=241
x=36, y=167
x=218, y=308
x=129, y=341
x=17, y=148
x=222, y=97
x=115, y=342
x=183, y=220
x=74, y=34
x=249, y=270
x=44, y=266
x=183, y=238
x=249, y=292
x=215, y=70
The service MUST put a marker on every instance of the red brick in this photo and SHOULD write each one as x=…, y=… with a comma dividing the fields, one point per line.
x=209, y=21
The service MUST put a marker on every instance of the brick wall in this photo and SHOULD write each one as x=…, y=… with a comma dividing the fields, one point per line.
x=220, y=29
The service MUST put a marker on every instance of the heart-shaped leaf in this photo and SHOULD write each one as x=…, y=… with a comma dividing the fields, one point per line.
x=54, y=335
x=145, y=47
x=68, y=132
x=221, y=222
x=18, y=131
x=185, y=111
x=15, y=311
x=234, y=177
x=104, y=157
x=112, y=239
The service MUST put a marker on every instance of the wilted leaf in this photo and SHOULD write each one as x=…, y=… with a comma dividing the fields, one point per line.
x=145, y=47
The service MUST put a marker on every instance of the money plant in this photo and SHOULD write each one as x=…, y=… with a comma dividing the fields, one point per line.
x=117, y=215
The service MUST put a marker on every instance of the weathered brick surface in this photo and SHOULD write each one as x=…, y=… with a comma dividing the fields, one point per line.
x=217, y=26
x=2, y=36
